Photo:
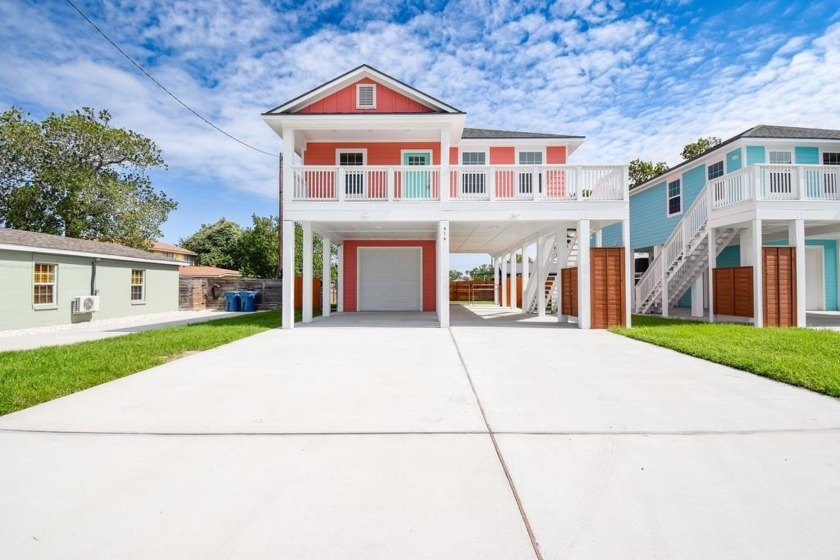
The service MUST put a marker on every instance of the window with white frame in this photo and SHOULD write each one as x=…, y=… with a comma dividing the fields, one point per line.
x=473, y=182
x=526, y=178
x=138, y=285
x=366, y=96
x=674, y=198
x=831, y=158
x=715, y=170
x=44, y=284
x=831, y=177
x=354, y=181
x=780, y=181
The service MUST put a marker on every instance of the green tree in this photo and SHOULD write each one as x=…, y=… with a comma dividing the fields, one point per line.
x=317, y=256
x=217, y=244
x=482, y=272
x=701, y=145
x=258, y=248
x=456, y=275
x=643, y=171
x=77, y=176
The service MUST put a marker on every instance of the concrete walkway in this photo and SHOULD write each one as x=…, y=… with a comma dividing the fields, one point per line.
x=25, y=339
x=389, y=438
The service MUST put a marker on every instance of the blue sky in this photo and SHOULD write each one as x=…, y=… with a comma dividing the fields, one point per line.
x=638, y=79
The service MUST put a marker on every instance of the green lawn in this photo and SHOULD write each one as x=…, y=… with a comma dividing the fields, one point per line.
x=803, y=357
x=29, y=377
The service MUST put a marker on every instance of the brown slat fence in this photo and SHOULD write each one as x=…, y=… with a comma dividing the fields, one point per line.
x=733, y=291
x=470, y=290
x=779, y=285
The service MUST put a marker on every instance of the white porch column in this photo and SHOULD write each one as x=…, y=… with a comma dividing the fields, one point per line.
x=711, y=275
x=504, y=280
x=513, y=268
x=496, y=294
x=326, y=277
x=629, y=272
x=758, y=272
x=288, y=162
x=599, y=238
x=584, y=297
x=288, y=308
x=697, y=290
x=307, y=272
x=444, y=165
x=443, y=273
x=541, y=274
x=339, y=289
x=797, y=239
x=526, y=273
x=562, y=246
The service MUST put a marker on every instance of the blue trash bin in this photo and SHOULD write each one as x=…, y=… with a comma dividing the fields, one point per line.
x=233, y=301
x=249, y=300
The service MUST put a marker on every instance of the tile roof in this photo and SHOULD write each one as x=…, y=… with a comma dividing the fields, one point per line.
x=169, y=248
x=489, y=134
x=208, y=271
x=48, y=242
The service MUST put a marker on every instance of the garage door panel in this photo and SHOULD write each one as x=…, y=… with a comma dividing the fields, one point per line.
x=390, y=278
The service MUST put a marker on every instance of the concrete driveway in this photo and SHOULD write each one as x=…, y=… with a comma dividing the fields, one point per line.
x=500, y=438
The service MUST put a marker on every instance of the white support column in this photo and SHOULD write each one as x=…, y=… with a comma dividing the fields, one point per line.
x=797, y=239
x=665, y=296
x=584, y=291
x=504, y=281
x=288, y=309
x=562, y=240
x=339, y=289
x=496, y=293
x=443, y=272
x=758, y=273
x=541, y=274
x=697, y=297
x=712, y=266
x=307, y=272
x=288, y=162
x=629, y=272
x=599, y=238
x=513, y=268
x=326, y=277
x=444, y=165
x=526, y=273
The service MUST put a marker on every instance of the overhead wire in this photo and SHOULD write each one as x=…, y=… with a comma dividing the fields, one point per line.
x=164, y=88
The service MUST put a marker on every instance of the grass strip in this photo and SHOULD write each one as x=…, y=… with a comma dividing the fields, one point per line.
x=30, y=377
x=807, y=358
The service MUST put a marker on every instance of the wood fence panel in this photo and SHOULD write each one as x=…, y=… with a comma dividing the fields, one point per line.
x=607, y=285
x=470, y=290
x=779, y=286
x=724, y=290
x=569, y=298
x=733, y=290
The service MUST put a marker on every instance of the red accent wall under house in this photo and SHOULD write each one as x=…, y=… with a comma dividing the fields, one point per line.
x=387, y=101
x=351, y=266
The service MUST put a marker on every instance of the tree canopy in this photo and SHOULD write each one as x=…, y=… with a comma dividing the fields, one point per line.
x=75, y=175
x=644, y=171
x=701, y=145
x=481, y=272
x=258, y=248
x=216, y=244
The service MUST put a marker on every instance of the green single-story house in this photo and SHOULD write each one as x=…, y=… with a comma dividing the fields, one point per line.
x=50, y=280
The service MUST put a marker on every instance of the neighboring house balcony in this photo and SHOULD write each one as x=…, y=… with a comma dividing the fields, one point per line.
x=776, y=192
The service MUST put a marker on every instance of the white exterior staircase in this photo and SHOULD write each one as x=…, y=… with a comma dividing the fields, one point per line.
x=558, y=251
x=683, y=258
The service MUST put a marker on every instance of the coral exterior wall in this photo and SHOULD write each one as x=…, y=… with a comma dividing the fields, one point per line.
x=351, y=266
x=555, y=155
x=344, y=101
x=378, y=153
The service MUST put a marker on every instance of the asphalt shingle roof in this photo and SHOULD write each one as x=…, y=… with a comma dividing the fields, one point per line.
x=56, y=242
x=489, y=134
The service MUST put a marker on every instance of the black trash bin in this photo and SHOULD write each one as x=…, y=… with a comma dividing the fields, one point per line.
x=249, y=300
x=233, y=301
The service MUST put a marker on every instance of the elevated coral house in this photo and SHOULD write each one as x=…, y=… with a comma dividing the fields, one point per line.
x=392, y=176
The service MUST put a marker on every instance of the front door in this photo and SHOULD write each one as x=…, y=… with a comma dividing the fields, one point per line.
x=417, y=184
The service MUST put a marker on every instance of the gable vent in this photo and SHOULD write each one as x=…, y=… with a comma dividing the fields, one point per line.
x=366, y=96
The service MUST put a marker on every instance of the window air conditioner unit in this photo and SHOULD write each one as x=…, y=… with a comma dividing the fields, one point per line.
x=86, y=304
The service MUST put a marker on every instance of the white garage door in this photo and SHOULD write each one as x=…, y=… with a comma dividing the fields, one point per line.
x=389, y=278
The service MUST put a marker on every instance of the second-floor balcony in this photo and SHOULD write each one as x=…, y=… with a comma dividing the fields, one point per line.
x=761, y=182
x=429, y=183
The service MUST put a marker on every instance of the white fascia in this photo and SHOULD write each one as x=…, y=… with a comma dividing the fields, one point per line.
x=45, y=251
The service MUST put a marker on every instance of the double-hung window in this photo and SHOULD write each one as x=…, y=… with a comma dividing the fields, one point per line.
x=780, y=181
x=715, y=170
x=831, y=177
x=44, y=284
x=354, y=180
x=526, y=178
x=473, y=182
x=138, y=286
x=674, y=198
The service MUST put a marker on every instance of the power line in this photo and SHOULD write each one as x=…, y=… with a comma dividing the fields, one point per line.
x=161, y=86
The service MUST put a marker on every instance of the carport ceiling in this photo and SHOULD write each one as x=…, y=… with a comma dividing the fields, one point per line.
x=465, y=237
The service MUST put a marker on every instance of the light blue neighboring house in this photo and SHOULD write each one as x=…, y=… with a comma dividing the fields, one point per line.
x=768, y=186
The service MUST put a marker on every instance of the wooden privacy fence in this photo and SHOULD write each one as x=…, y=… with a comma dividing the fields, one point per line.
x=607, y=288
x=779, y=285
x=195, y=294
x=470, y=290
x=733, y=291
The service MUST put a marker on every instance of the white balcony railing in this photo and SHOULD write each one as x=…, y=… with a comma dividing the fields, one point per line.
x=466, y=183
x=777, y=182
